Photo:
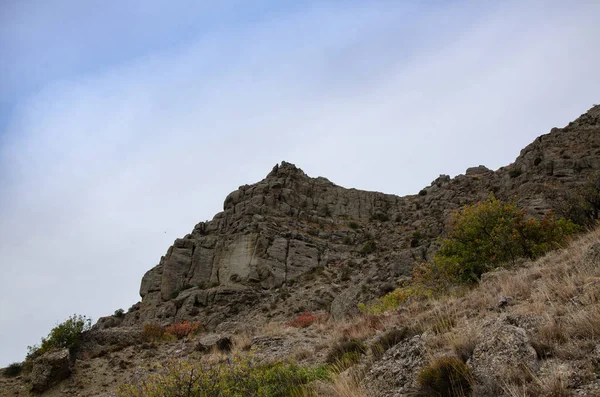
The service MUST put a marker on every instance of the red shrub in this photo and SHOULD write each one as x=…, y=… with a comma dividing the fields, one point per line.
x=182, y=329
x=305, y=319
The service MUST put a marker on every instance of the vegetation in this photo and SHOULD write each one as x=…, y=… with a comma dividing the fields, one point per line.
x=119, y=313
x=389, y=339
x=155, y=332
x=235, y=378
x=368, y=248
x=13, y=369
x=483, y=236
x=582, y=204
x=303, y=320
x=345, y=349
x=492, y=233
x=353, y=225
x=380, y=216
x=64, y=335
x=446, y=377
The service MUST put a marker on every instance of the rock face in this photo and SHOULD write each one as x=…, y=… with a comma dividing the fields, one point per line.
x=343, y=244
x=49, y=369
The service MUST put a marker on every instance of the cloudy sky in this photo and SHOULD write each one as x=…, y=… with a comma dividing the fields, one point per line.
x=124, y=123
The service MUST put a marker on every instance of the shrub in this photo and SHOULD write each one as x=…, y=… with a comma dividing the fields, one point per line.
x=368, y=248
x=119, y=313
x=446, y=377
x=13, y=369
x=415, y=241
x=490, y=233
x=344, y=347
x=380, y=216
x=515, y=172
x=64, y=335
x=353, y=225
x=304, y=320
x=395, y=298
x=182, y=329
x=422, y=192
x=238, y=377
x=153, y=331
x=582, y=204
x=390, y=339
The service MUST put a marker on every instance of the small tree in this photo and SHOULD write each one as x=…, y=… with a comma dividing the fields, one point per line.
x=64, y=335
x=491, y=233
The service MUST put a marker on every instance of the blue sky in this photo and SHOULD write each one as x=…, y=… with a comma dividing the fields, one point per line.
x=123, y=124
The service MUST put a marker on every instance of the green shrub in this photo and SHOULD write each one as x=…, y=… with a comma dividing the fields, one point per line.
x=368, y=248
x=236, y=378
x=119, y=313
x=13, y=369
x=390, y=339
x=422, y=192
x=380, y=216
x=344, y=347
x=515, y=172
x=415, y=241
x=64, y=335
x=491, y=233
x=446, y=377
x=353, y=225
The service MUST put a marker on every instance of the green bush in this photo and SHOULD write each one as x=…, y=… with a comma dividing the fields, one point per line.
x=380, y=216
x=119, y=313
x=491, y=233
x=348, y=348
x=515, y=172
x=13, y=369
x=64, y=335
x=368, y=248
x=353, y=225
x=446, y=377
x=390, y=339
x=235, y=378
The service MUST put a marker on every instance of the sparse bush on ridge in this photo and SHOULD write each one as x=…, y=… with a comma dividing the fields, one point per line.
x=237, y=378
x=64, y=335
x=13, y=369
x=119, y=313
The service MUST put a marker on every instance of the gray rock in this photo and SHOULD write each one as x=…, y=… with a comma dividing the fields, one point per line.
x=503, y=347
x=395, y=375
x=49, y=369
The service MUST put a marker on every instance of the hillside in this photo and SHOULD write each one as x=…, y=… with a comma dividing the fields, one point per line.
x=291, y=243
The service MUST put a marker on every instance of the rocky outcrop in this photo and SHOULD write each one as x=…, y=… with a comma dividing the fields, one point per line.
x=395, y=375
x=49, y=369
x=505, y=347
x=343, y=245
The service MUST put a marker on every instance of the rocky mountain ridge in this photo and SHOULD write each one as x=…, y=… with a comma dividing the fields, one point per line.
x=340, y=245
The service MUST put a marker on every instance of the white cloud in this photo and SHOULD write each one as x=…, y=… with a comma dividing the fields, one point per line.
x=104, y=171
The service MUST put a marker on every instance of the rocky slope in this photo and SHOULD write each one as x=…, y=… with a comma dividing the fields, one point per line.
x=291, y=243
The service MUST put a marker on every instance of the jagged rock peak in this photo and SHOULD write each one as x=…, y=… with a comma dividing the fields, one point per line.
x=286, y=169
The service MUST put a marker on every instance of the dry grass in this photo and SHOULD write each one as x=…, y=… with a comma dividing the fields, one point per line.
x=556, y=299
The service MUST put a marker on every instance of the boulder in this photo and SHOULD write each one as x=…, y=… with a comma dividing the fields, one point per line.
x=395, y=375
x=503, y=348
x=50, y=368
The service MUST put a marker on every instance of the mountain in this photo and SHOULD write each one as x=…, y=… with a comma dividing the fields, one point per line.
x=292, y=243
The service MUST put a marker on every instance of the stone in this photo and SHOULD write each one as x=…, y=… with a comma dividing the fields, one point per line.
x=395, y=375
x=50, y=368
x=503, y=346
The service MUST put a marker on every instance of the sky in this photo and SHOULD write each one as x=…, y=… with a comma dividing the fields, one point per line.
x=123, y=124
